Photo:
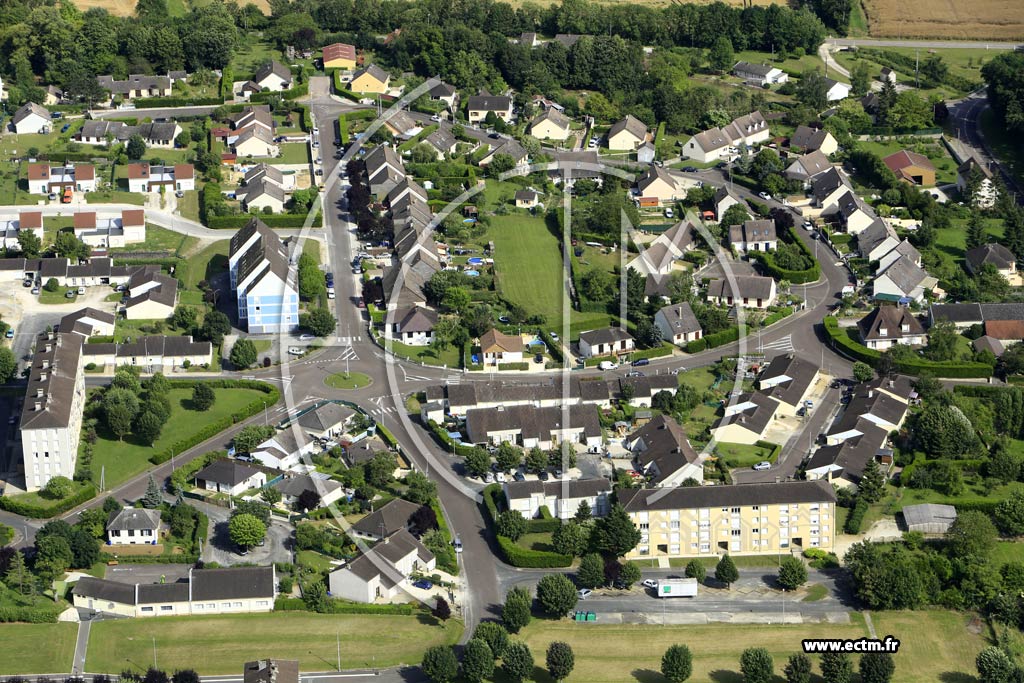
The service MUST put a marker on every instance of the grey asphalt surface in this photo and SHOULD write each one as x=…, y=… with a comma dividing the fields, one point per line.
x=881, y=42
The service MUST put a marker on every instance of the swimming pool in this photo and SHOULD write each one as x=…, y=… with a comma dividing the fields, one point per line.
x=475, y=261
x=472, y=273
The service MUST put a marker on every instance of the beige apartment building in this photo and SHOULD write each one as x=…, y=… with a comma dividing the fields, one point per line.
x=744, y=519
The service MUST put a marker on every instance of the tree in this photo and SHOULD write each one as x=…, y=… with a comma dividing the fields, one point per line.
x=8, y=365
x=944, y=431
x=477, y=661
x=127, y=377
x=319, y=321
x=442, y=610
x=976, y=235
x=836, y=667
x=597, y=284
x=439, y=664
x=517, y=662
x=29, y=244
x=677, y=663
x=18, y=577
x=629, y=574
x=971, y=536
x=1009, y=514
x=536, y=460
x=756, y=665
x=590, y=573
x=812, y=90
x=556, y=594
x=85, y=548
x=695, y=569
x=136, y=147
x=120, y=406
x=152, y=498
x=615, y=533
x=943, y=339
x=57, y=488
x=560, y=660
x=184, y=317
x=860, y=77
x=147, y=427
x=246, y=531
x=582, y=512
x=53, y=557
x=203, y=396
x=477, y=462
x=798, y=669
x=494, y=634
x=510, y=524
x=721, y=57
x=508, y=457
x=726, y=572
x=307, y=500
x=736, y=214
x=215, y=326
x=251, y=436
x=516, y=612
x=994, y=666
x=792, y=573
x=185, y=676
x=862, y=372
x=380, y=470
x=872, y=483
x=876, y=667
x=420, y=489
x=154, y=675
x=243, y=353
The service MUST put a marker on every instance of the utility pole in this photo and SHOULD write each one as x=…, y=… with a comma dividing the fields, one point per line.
x=154, y=652
x=338, y=633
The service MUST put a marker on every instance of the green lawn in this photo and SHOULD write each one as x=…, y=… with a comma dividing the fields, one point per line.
x=425, y=354
x=1007, y=551
x=795, y=65
x=206, y=264
x=321, y=564
x=964, y=62
x=124, y=459
x=222, y=644
x=293, y=153
x=58, y=297
x=539, y=541
x=738, y=455
x=935, y=645
x=115, y=196
x=188, y=206
x=37, y=648
x=701, y=379
x=348, y=381
x=945, y=167
x=162, y=239
x=528, y=265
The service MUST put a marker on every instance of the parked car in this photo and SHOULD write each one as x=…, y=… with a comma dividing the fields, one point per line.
x=608, y=365
x=27, y=283
x=307, y=338
x=650, y=583
x=553, y=335
x=634, y=373
x=519, y=476
x=35, y=290
x=762, y=466
x=295, y=351
x=423, y=583
x=543, y=476
x=500, y=477
x=583, y=593
x=489, y=478
x=689, y=169
x=10, y=333
x=70, y=294
x=435, y=117
x=538, y=358
x=669, y=213
x=457, y=544
x=179, y=194
x=330, y=292
x=640, y=362
x=81, y=291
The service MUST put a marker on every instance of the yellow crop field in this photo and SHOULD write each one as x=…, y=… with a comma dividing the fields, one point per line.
x=954, y=19
x=126, y=8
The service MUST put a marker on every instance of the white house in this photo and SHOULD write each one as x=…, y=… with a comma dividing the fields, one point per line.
x=678, y=324
x=230, y=476
x=605, y=342
x=382, y=572
x=627, y=134
x=479, y=106
x=986, y=193
x=263, y=282
x=662, y=453
x=877, y=240
x=31, y=118
x=413, y=326
x=142, y=177
x=751, y=291
x=283, y=450
x=754, y=235
x=530, y=426
x=855, y=214
x=43, y=178
x=273, y=76
x=498, y=347
x=291, y=489
x=133, y=526
x=561, y=498
x=716, y=143
x=903, y=281
x=326, y=421
x=659, y=256
x=887, y=326
x=759, y=74
x=836, y=90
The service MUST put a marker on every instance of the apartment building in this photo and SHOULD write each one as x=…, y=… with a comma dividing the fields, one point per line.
x=744, y=519
x=51, y=419
x=261, y=277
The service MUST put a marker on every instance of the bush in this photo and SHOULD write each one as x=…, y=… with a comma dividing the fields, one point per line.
x=534, y=559
x=856, y=517
x=282, y=220
x=36, y=511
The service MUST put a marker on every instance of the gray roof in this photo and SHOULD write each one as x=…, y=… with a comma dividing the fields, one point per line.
x=52, y=387
x=155, y=345
x=416, y=319
x=565, y=489
x=873, y=236
x=987, y=343
x=756, y=417
x=665, y=447
x=531, y=421
x=442, y=140
x=761, y=70
x=957, y=313
x=226, y=471
x=494, y=103
x=747, y=287
x=827, y=183
x=393, y=515
x=810, y=164
x=102, y=589
x=929, y=513
x=873, y=402
x=631, y=125
x=605, y=335
x=133, y=519
x=905, y=274
x=892, y=318
x=264, y=170
x=711, y=139
x=753, y=231
x=299, y=484
x=134, y=82
x=442, y=89
x=554, y=116
x=996, y=254
x=807, y=138
x=392, y=549
x=272, y=67
x=166, y=292
x=254, y=189
x=375, y=71
x=680, y=318
x=232, y=583
x=852, y=455
x=325, y=416
x=796, y=377
x=27, y=110
x=738, y=495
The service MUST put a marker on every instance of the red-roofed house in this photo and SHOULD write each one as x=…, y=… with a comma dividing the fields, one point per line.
x=1007, y=331
x=339, y=56
x=912, y=167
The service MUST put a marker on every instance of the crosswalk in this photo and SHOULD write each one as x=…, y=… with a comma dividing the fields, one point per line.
x=385, y=405
x=348, y=353
x=780, y=344
x=349, y=340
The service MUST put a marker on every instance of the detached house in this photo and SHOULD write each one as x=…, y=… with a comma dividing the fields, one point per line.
x=479, y=106
x=561, y=498
x=273, y=76
x=444, y=92
x=659, y=256
x=371, y=79
x=835, y=90
x=383, y=571
x=877, y=240
x=912, y=167
x=903, y=281
x=828, y=187
x=133, y=526
x=662, y=453
x=678, y=324
x=658, y=182
x=31, y=118
x=151, y=296
x=414, y=326
x=716, y=143
x=339, y=56
x=606, y=341
x=759, y=74
x=43, y=178
x=789, y=380
x=725, y=198
x=887, y=326
x=145, y=178
x=855, y=214
x=230, y=476
x=806, y=139
x=327, y=420
x=498, y=347
x=550, y=125
x=756, y=235
x=985, y=193
x=996, y=255
x=751, y=291
x=627, y=134
x=807, y=167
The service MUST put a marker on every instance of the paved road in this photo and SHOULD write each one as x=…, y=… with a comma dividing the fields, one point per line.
x=966, y=118
x=397, y=675
x=881, y=42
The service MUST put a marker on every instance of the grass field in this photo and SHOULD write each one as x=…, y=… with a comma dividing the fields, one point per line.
x=962, y=19
x=37, y=648
x=349, y=381
x=935, y=646
x=176, y=8
x=162, y=239
x=945, y=167
x=124, y=459
x=222, y=644
x=293, y=153
x=963, y=62
x=740, y=454
x=425, y=354
x=207, y=263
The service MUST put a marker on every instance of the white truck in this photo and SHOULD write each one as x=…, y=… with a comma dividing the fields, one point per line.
x=674, y=588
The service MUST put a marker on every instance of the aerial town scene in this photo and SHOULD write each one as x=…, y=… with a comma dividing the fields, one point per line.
x=600, y=341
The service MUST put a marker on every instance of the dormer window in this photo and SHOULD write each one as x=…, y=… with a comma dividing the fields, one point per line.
x=906, y=327
x=883, y=332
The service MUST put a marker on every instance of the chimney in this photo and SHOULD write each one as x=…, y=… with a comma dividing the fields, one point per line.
x=892, y=383
x=39, y=392
x=38, y=405
x=46, y=363
x=47, y=348
x=42, y=377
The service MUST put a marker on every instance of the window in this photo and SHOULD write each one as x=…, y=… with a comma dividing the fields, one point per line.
x=784, y=519
x=675, y=525
x=147, y=609
x=644, y=526
x=756, y=508
x=262, y=603
x=736, y=532
x=166, y=608
x=735, y=511
x=199, y=606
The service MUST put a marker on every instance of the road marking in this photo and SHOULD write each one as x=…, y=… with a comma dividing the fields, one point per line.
x=783, y=344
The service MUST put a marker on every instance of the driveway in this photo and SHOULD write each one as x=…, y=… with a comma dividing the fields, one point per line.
x=278, y=546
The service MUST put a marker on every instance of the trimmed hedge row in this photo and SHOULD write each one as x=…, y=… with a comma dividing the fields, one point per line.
x=515, y=555
x=856, y=517
x=657, y=352
x=334, y=606
x=446, y=441
x=711, y=341
x=773, y=447
x=294, y=93
x=513, y=366
x=554, y=348
x=778, y=315
x=797, y=277
x=280, y=220
x=160, y=102
x=842, y=343
x=28, y=615
x=18, y=507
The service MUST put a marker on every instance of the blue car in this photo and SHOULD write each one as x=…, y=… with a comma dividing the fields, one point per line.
x=423, y=583
x=640, y=362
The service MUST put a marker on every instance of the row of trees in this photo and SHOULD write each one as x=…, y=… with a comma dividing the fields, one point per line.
x=489, y=644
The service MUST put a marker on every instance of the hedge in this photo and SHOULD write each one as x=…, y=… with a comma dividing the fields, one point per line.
x=294, y=93
x=279, y=220
x=446, y=441
x=19, y=507
x=531, y=559
x=722, y=337
x=184, y=473
x=778, y=315
x=796, y=277
x=842, y=343
x=29, y=615
x=513, y=366
x=160, y=102
x=657, y=352
x=774, y=449
x=696, y=346
x=856, y=517
x=335, y=606
x=343, y=129
x=227, y=78
x=554, y=348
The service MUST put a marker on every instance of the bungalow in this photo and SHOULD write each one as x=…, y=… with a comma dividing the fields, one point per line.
x=402, y=125
x=529, y=39
x=291, y=489
x=561, y=498
x=912, y=167
x=759, y=74
x=284, y=449
x=43, y=178
x=678, y=324
x=327, y=420
x=371, y=79
x=662, y=453
x=606, y=341
x=835, y=90
x=750, y=291
x=627, y=134
x=707, y=146
x=659, y=182
x=254, y=141
x=550, y=125
x=383, y=571
x=413, y=326
x=972, y=172
x=903, y=281
x=877, y=240
x=808, y=166
x=806, y=139
x=442, y=142
x=723, y=199
x=746, y=420
x=828, y=187
x=133, y=526
x=151, y=296
x=510, y=147
x=529, y=426
x=789, y=380
x=497, y=347
x=101, y=132
x=339, y=56
x=31, y=118
x=395, y=515
x=444, y=92
x=479, y=106
x=229, y=476
x=887, y=326
x=145, y=178
x=137, y=85
x=755, y=235
x=996, y=255
x=526, y=199
x=258, y=195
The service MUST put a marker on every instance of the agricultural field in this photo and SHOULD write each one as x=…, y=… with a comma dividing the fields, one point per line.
x=177, y=8
x=954, y=19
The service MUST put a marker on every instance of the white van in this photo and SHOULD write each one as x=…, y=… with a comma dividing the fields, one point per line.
x=608, y=365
